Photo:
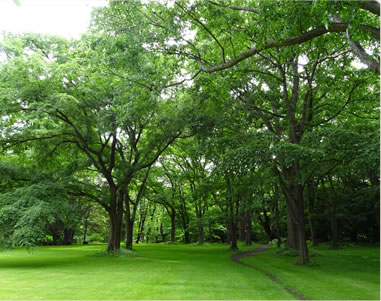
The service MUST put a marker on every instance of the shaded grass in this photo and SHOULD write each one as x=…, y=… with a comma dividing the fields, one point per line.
x=344, y=274
x=159, y=272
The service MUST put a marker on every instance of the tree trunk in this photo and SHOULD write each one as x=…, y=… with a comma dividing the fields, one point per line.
x=248, y=231
x=301, y=224
x=333, y=219
x=242, y=227
x=129, y=226
x=115, y=212
x=265, y=223
x=292, y=237
x=85, y=226
x=173, y=226
x=234, y=245
x=200, y=231
x=232, y=219
x=68, y=236
x=163, y=235
x=186, y=236
x=296, y=238
x=311, y=212
x=113, y=240
x=334, y=231
x=277, y=222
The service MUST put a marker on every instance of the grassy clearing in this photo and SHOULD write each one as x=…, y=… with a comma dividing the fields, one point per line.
x=344, y=274
x=159, y=272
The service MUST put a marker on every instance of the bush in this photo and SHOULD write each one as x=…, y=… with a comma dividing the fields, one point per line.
x=96, y=237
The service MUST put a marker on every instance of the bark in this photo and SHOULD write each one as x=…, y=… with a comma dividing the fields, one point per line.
x=186, y=236
x=364, y=57
x=85, y=226
x=201, y=232
x=115, y=212
x=173, y=226
x=265, y=223
x=242, y=226
x=248, y=231
x=114, y=234
x=371, y=6
x=232, y=217
x=129, y=225
x=68, y=236
x=334, y=230
x=143, y=216
x=163, y=235
x=333, y=219
x=277, y=222
x=300, y=225
x=311, y=212
x=184, y=218
x=299, y=39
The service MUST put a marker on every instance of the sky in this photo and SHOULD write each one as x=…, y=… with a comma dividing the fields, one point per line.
x=68, y=18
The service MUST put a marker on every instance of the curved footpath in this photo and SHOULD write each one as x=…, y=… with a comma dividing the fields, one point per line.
x=236, y=258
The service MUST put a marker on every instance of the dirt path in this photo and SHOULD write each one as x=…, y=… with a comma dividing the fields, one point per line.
x=236, y=258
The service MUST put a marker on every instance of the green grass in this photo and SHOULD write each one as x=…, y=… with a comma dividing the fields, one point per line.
x=182, y=272
x=160, y=272
x=344, y=274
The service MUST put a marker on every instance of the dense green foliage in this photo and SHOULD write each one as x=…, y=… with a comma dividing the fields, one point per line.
x=194, y=121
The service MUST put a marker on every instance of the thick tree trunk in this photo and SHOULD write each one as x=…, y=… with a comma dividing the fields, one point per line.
x=292, y=237
x=301, y=224
x=68, y=236
x=333, y=219
x=186, y=236
x=265, y=223
x=163, y=235
x=228, y=227
x=311, y=212
x=201, y=232
x=334, y=231
x=232, y=217
x=129, y=225
x=129, y=234
x=115, y=212
x=242, y=227
x=303, y=250
x=277, y=222
x=234, y=245
x=173, y=226
x=248, y=231
x=296, y=238
x=114, y=234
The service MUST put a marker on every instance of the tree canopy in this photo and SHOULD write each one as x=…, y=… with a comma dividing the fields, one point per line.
x=194, y=121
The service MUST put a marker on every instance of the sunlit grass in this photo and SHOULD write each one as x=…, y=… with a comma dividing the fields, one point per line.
x=182, y=272
x=344, y=274
x=159, y=272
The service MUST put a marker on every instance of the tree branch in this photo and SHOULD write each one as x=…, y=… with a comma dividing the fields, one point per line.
x=304, y=37
x=248, y=9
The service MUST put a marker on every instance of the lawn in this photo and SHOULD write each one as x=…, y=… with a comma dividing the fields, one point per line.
x=351, y=273
x=182, y=272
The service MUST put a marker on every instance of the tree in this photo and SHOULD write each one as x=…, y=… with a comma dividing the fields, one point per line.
x=120, y=127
